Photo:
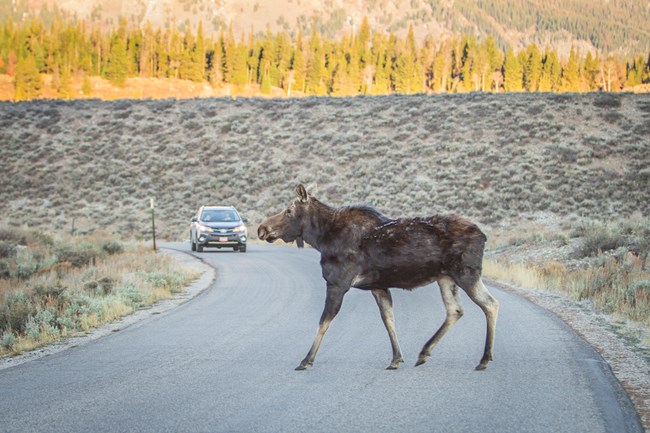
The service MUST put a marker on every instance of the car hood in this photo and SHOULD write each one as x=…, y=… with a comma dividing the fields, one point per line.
x=222, y=225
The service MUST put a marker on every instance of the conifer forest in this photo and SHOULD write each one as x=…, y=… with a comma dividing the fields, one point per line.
x=361, y=62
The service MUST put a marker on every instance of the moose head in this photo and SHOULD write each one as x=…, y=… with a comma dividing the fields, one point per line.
x=289, y=224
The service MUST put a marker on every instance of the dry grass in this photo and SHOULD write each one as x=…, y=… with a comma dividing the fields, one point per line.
x=606, y=264
x=71, y=285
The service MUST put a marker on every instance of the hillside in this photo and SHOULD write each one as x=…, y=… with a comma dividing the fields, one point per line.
x=607, y=26
x=500, y=159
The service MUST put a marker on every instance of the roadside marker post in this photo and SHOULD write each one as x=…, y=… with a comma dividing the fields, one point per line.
x=153, y=225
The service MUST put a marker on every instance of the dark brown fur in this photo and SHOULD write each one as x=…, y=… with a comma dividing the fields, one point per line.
x=363, y=248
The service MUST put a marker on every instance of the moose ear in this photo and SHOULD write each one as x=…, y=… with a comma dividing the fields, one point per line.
x=302, y=193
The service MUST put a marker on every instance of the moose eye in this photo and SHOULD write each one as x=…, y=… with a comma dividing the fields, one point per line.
x=288, y=212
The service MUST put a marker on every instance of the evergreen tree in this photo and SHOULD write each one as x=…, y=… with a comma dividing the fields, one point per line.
x=532, y=69
x=512, y=73
x=239, y=75
x=282, y=55
x=64, y=88
x=382, y=64
x=87, y=87
x=198, y=54
x=591, y=72
x=407, y=75
x=266, y=66
x=551, y=71
x=571, y=73
x=190, y=61
x=117, y=68
x=315, y=82
x=28, y=83
x=265, y=86
x=469, y=53
x=441, y=68
x=495, y=61
x=298, y=66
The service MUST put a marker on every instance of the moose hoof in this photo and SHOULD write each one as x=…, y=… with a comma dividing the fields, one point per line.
x=421, y=360
x=303, y=366
x=480, y=367
x=394, y=365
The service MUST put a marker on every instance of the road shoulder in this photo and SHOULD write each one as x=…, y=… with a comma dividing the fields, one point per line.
x=628, y=366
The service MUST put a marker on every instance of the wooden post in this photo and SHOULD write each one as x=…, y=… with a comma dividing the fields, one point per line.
x=153, y=225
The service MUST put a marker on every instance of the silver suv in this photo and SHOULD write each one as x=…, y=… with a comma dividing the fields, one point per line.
x=219, y=227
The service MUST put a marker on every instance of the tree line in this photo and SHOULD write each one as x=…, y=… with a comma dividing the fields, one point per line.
x=363, y=62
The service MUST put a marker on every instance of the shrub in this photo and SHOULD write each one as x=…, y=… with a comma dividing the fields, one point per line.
x=608, y=100
x=8, y=339
x=7, y=249
x=112, y=247
x=597, y=239
x=76, y=256
x=19, y=308
x=131, y=295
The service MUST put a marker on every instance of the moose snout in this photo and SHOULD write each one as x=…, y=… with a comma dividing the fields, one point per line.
x=263, y=232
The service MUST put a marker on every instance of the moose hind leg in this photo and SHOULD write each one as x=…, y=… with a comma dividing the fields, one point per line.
x=449, y=292
x=490, y=306
x=385, y=303
x=333, y=303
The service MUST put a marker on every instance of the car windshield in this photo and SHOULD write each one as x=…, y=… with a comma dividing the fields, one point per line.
x=219, y=215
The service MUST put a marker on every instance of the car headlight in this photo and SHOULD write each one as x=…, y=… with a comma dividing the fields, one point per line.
x=240, y=229
x=204, y=229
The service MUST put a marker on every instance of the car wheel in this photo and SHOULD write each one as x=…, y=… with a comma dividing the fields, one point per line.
x=199, y=248
x=192, y=244
x=242, y=248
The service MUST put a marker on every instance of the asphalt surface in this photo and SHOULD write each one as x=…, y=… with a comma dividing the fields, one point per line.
x=223, y=362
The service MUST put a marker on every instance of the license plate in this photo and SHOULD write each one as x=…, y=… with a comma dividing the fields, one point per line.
x=223, y=239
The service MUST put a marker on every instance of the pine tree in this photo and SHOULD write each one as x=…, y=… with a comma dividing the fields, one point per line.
x=571, y=73
x=591, y=71
x=512, y=73
x=265, y=86
x=315, y=83
x=407, y=74
x=28, y=83
x=495, y=61
x=382, y=65
x=190, y=62
x=117, y=68
x=282, y=55
x=298, y=66
x=64, y=88
x=87, y=87
x=441, y=69
x=199, y=51
x=239, y=75
x=532, y=69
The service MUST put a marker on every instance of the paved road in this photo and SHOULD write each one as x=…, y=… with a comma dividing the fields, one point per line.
x=224, y=361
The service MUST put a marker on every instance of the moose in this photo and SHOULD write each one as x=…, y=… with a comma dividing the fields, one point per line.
x=362, y=248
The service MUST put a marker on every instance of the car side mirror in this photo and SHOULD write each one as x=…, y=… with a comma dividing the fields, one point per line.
x=244, y=220
x=194, y=219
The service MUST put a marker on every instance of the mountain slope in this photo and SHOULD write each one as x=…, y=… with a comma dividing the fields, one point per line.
x=607, y=26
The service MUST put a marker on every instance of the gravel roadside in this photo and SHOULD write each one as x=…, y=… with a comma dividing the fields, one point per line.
x=629, y=366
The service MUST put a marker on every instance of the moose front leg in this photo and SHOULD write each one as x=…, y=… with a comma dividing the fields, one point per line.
x=333, y=303
x=385, y=303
